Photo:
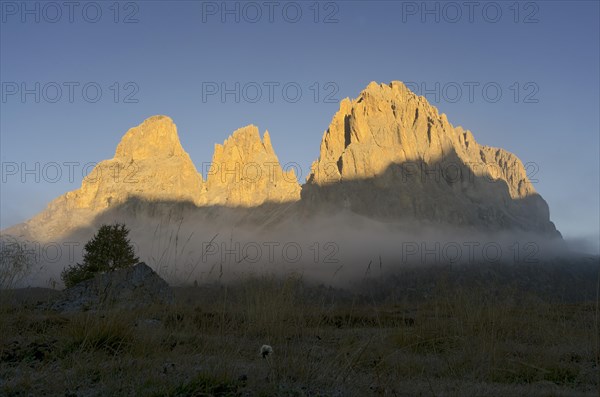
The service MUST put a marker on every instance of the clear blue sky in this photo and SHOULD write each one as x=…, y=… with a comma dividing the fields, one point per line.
x=549, y=48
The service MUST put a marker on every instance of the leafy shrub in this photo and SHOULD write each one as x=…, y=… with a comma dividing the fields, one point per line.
x=108, y=250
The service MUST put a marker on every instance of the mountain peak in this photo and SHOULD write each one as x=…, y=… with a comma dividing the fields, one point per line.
x=267, y=142
x=149, y=164
x=389, y=152
x=155, y=137
x=246, y=172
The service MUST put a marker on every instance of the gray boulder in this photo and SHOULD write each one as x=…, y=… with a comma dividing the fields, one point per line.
x=129, y=288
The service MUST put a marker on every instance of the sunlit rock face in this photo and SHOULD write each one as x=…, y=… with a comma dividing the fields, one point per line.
x=389, y=153
x=246, y=172
x=149, y=163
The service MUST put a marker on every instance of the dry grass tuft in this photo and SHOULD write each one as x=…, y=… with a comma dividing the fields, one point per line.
x=457, y=341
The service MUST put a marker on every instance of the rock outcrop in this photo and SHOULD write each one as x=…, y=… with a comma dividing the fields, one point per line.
x=149, y=164
x=129, y=288
x=245, y=172
x=389, y=153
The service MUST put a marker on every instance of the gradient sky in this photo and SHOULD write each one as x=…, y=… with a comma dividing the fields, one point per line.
x=174, y=48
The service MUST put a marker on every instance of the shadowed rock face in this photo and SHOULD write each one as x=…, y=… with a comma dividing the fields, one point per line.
x=387, y=154
x=129, y=288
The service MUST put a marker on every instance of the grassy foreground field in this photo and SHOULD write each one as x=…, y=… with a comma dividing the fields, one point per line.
x=451, y=337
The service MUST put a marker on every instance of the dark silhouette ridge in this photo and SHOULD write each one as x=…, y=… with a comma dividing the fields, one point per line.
x=445, y=193
x=346, y=213
x=473, y=201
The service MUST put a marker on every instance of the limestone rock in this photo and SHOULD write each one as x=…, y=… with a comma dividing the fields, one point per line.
x=387, y=154
x=245, y=172
x=128, y=288
x=149, y=164
x=390, y=153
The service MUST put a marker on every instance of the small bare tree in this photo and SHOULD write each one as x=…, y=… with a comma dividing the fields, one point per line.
x=16, y=261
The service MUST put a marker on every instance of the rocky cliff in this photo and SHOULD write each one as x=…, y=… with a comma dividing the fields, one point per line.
x=149, y=163
x=389, y=153
x=246, y=172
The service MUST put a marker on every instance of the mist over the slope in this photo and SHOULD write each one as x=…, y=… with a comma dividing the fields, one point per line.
x=336, y=249
x=586, y=245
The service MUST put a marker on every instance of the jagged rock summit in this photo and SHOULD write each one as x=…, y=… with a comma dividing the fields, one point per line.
x=155, y=138
x=149, y=164
x=246, y=172
x=390, y=153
